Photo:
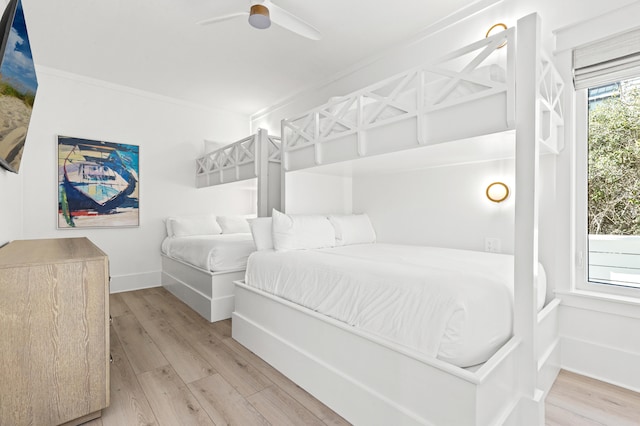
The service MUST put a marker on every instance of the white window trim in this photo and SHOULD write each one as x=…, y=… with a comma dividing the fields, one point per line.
x=581, y=283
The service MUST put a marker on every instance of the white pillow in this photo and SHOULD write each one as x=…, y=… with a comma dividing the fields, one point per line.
x=233, y=224
x=167, y=222
x=261, y=229
x=353, y=229
x=295, y=232
x=193, y=225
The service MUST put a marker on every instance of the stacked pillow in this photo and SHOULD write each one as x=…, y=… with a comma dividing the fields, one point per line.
x=295, y=232
x=353, y=229
x=299, y=232
x=233, y=224
x=192, y=225
x=186, y=226
x=262, y=234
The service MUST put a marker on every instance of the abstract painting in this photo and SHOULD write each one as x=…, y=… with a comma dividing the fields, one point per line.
x=97, y=184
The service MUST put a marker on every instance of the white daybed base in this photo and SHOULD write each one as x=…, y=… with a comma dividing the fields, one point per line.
x=369, y=381
x=208, y=293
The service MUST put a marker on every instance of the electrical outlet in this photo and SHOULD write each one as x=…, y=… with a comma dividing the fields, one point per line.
x=492, y=245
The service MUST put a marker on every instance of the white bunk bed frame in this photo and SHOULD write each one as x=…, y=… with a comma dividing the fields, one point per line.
x=255, y=157
x=372, y=382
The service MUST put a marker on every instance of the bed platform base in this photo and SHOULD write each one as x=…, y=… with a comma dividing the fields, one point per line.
x=208, y=293
x=369, y=380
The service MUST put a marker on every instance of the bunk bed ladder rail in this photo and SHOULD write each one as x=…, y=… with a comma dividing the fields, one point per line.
x=550, y=108
x=410, y=95
x=539, y=127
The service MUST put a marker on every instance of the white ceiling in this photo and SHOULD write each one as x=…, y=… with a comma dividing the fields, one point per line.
x=156, y=45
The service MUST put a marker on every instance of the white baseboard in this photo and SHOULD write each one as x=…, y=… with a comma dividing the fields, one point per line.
x=135, y=281
x=608, y=364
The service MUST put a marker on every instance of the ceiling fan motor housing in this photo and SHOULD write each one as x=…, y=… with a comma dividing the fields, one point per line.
x=259, y=17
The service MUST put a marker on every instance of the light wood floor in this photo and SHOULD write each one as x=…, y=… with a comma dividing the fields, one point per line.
x=576, y=400
x=172, y=367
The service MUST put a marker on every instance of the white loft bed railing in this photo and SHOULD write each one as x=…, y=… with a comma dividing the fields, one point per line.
x=255, y=157
x=237, y=161
x=421, y=107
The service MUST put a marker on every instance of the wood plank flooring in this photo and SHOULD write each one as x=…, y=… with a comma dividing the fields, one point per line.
x=575, y=400
x=172, y=367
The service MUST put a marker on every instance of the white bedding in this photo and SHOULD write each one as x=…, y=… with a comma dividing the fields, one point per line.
x=455, y=305
x=216, y=253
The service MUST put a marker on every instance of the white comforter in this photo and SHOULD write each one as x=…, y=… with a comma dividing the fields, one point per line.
x=452, y=304
x=224, y=252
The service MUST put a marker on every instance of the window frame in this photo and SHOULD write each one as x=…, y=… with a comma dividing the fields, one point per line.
x=582, y=282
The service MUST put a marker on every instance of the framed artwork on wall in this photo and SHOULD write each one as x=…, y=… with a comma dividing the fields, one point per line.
x=97, y=184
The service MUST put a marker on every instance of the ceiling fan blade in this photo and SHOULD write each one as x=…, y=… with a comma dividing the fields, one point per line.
x=291, y=22
x=222, y=18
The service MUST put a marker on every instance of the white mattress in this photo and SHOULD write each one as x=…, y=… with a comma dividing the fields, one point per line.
x=455, y=305
x=216, y=253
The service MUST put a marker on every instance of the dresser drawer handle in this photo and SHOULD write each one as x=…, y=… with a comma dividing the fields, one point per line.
x=110, y=359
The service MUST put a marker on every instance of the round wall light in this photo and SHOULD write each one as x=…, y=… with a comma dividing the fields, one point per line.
x=494, y=30
x=497, y=192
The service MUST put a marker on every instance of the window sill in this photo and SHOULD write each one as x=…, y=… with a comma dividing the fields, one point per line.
x=601, y=302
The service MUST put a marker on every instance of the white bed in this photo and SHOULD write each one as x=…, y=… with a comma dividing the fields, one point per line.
x=200, y=262
x=455, y=305
x=200, y=268
x=370, y=379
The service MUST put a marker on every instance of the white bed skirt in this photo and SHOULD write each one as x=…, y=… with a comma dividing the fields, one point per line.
x=208, y=293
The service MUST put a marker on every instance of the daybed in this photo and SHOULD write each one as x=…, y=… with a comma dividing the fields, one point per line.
x=199, y=267
x=372, y=380
x=201, y=259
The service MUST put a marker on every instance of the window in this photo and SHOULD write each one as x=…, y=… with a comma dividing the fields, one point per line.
x=613, y=184
x=607, y=81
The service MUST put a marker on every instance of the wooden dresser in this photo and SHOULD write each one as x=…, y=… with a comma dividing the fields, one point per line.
x=54, y=332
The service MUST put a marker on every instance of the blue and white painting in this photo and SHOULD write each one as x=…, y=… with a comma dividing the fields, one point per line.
x=18, y=85
x=97, y=184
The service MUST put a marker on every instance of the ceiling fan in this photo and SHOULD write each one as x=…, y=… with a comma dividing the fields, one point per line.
x=262, y=13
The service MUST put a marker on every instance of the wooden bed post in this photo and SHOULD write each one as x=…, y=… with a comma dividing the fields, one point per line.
x=526, y=216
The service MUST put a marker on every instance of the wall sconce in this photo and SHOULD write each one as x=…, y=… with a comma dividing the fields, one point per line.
x=497, y=192
x=494, y=29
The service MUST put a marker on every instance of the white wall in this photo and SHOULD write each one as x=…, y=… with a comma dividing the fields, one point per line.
x=600, y=340
x=10, y=206
x=314, y=193
x=170, y=135
x=441, y=206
